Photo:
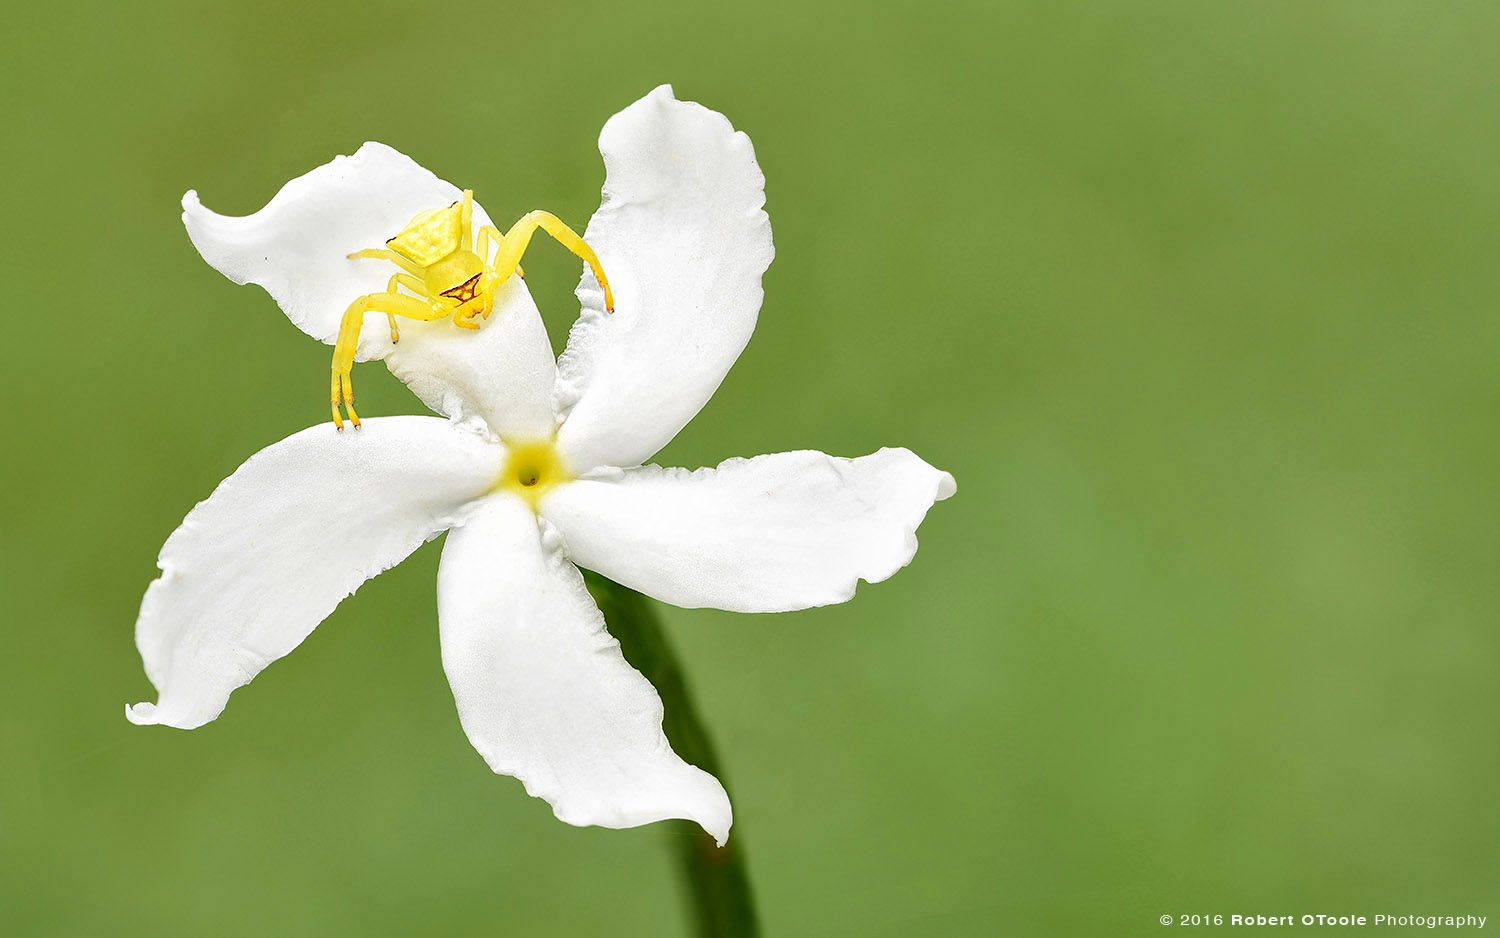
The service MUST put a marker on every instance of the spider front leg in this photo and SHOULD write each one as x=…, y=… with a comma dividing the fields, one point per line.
x=514, y=242
x=392, y=304
x=411, y=283
x=412, y=279
x=487, y=234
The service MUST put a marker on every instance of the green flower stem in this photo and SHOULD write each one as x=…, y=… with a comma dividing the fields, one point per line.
x=716, y=878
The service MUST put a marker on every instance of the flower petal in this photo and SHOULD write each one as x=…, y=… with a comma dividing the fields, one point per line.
x=683, y=241
x=502, y=374
x=768, y=534
x=297, y=248
x=542, y=689
x=255, y=567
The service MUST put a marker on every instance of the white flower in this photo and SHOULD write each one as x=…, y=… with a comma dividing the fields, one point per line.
x=537, y=469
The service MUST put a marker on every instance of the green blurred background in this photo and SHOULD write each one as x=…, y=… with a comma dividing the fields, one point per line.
x=1196, y=300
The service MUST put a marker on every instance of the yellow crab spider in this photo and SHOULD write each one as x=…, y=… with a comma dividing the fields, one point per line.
x=447, y=271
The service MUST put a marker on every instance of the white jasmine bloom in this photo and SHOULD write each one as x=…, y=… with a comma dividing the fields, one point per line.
x=538, y=468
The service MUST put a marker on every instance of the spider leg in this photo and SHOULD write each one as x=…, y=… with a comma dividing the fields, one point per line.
x=386, y=254
x=488, y=233
x=515, y=241
x=411, y=283
x=466, y=223
x=392, y=304
x=482, y=240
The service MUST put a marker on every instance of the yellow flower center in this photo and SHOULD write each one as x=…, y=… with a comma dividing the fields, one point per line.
x=531, y=469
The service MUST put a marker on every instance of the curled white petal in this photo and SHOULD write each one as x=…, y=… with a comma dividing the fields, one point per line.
x=255, y=567
x=683, y=240
x=297, y=248
x=769, y=534
x=542, y=689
